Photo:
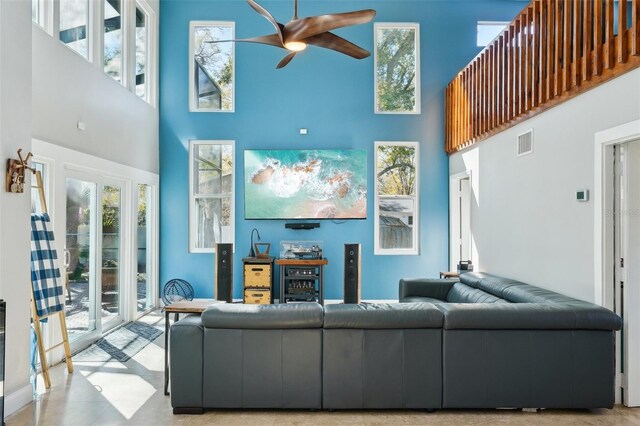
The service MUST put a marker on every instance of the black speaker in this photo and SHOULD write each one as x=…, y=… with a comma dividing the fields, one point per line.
x=224, y=273
x=352, y=273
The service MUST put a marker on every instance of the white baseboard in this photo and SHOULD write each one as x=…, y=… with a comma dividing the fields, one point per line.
x=18, y=399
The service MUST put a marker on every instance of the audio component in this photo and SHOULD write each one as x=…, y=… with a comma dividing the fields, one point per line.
x=302, y=225
x=224, y=272
x=352, y=273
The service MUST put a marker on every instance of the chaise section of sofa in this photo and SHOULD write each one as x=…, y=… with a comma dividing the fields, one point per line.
x=509, y=344
x=382, y=356
x=525, y=355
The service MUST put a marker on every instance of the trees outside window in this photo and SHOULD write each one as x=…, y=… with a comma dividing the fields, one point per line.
x=396, y=198
x=397, y=68
x=212, y=66
x=211, y=217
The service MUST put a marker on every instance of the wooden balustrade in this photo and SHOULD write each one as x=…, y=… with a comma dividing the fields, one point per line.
x=553, y=50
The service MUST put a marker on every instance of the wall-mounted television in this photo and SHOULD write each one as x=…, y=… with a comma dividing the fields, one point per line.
x=305, y=184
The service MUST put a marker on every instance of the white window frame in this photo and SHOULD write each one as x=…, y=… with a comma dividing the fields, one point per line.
x=396, y=25
x=504, y=24
x=124, y=22
x=45, y=16
x=152, y=247
x=93, y=14
x=192, y=196
x=150, y=95
x=193, y=107
x=415, y=250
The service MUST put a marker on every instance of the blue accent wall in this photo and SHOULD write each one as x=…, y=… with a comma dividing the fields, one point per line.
x=331, y=95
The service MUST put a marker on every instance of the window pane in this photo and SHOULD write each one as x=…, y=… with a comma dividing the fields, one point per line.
x=36, y=205
x=208, y=169
x=141, y=52
x=396, y=207
x=396, y=170
x=110, y=252
x=35, y=11
x=397, y=69
x=74, y=17
x=113, y=39
x=213, y=67
x=143, y=254
x=208, y=222
x=213, y=166
x=79, y=257
x=487, y=31
x=396, y=222
x=211, y=194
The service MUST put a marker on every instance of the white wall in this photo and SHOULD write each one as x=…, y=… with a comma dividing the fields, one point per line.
x=15, y=132
x=67, y=88
x=525, y=220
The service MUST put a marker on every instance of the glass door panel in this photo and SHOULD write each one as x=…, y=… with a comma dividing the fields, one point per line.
x=144, y=293
x=81, y=245
x=110, y=288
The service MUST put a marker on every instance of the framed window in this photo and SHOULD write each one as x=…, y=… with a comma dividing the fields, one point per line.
x=43, y=167
x=74, y=25
x=397, y=68
x=142, y=52
x=40, y=12
x=113, y=45
x=489, y=30
x=211, y=67
x=396, y=218
x=211, y=194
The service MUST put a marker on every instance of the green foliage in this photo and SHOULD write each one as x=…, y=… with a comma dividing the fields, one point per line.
x=396, y=67
x=396, y=170
x=216, y=58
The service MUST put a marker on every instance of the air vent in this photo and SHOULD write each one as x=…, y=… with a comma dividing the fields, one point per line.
x=525, y=143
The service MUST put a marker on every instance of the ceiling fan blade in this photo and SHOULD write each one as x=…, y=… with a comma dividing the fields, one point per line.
x=331, y=41
x=271, y=39
x=283, y=63
x=299, y=29
x=265, y=13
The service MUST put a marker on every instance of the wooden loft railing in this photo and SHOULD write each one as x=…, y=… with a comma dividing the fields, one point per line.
x=552, y=51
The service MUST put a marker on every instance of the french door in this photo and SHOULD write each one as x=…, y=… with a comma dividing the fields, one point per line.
x=93, y=256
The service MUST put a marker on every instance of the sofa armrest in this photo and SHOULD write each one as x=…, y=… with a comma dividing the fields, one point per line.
x=186, y=358
x=425, y=287
x=527, y=316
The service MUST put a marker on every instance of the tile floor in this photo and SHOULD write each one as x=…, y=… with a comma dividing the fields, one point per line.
x=116, y=393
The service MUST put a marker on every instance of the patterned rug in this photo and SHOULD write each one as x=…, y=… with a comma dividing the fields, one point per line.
x=121, y=344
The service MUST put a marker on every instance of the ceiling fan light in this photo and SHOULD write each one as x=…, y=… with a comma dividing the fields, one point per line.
x=295, y=46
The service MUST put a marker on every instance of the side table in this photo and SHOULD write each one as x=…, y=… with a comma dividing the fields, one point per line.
x=195, y=306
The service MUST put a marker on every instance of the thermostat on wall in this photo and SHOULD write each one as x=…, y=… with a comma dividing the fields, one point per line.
x=582, y=195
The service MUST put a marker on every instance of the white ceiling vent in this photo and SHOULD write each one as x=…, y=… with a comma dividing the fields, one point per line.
x=525, y=143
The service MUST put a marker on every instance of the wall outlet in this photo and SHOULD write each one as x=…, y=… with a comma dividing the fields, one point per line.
x=303, y=131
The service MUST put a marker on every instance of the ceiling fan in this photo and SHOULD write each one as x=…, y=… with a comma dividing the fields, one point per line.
x=298, y=33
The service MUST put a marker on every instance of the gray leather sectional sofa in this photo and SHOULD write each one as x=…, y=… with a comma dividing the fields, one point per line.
x=509, y=344
x=483, y=342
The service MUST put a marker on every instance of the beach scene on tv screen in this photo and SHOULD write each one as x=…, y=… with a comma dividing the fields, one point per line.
x=305, y=184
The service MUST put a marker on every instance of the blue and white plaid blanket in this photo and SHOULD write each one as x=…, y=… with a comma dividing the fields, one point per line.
x=48, y=291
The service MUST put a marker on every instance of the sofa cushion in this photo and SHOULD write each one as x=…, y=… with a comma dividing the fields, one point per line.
x=528, y=316
x=382, y=316
x=491, y=284
x=525, y=293
x=420, y=299
x=461, y=293
x=280, y=316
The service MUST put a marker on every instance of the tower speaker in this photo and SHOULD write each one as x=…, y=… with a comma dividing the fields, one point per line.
x=352, y=273
x=224, y=273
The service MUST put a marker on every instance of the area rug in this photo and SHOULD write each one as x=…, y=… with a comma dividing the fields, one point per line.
x=121, y=344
